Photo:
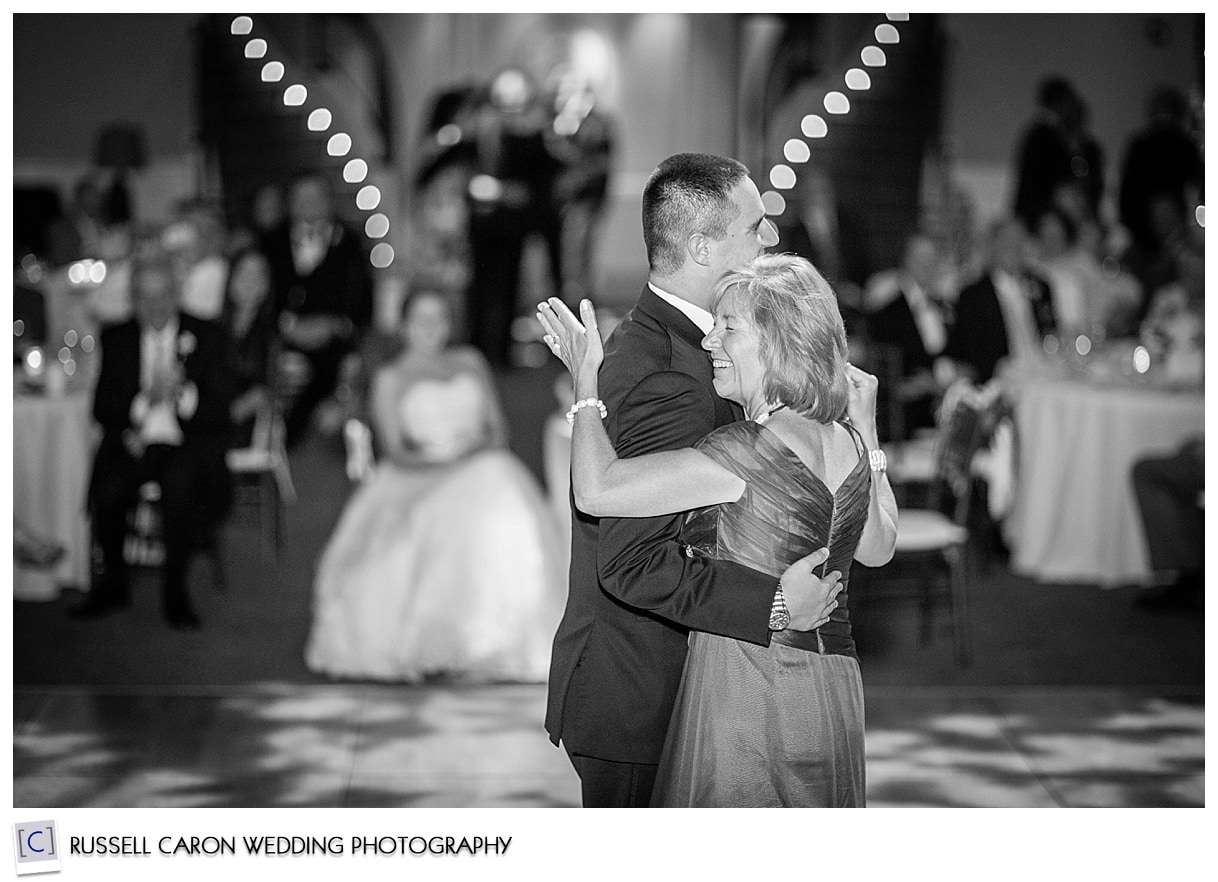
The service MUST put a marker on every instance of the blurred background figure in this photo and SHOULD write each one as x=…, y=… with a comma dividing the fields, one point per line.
x=909, y=326
x=1057, y=148
x=323, y=293
x=445, y=561
x=511, y=199
x=249, y=315
x=1090, y=295
x=162, y=399
x=78, y=231
x=1161, y=181
x=1005, y=313
x=196, y=243
x=585, y=140
x=1169, y=491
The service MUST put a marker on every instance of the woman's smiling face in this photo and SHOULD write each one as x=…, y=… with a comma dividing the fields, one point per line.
x=735, y=355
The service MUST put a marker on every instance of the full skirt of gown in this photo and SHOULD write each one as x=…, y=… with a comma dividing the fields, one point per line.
x=453, y=570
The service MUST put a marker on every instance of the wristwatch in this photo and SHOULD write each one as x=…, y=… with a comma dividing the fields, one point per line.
x=879, y=461
x=780, y=616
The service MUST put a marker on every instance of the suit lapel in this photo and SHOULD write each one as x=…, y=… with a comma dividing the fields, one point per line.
x=686, y=334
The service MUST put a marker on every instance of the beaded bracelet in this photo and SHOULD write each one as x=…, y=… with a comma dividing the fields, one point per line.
x=586, y=402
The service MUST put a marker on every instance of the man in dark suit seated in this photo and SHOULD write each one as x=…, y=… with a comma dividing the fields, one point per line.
x=323, y=292
x=1007, y=312
x=910, y=323
x=1169, y=488
x=162, y=399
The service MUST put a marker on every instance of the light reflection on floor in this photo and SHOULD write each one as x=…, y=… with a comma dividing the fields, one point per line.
x=433, y=746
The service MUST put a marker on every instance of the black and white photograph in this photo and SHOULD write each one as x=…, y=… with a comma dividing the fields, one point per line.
x=544, y=410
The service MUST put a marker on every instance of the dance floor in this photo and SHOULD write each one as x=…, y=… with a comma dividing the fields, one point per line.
x=483, y=746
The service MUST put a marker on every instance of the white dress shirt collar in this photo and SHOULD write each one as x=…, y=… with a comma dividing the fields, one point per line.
x=696, y=314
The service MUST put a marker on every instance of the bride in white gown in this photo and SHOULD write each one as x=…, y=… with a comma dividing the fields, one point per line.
x=446, y=560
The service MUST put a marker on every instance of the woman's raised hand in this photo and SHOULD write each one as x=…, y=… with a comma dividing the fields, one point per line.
x=577, y=344
x=860, y=405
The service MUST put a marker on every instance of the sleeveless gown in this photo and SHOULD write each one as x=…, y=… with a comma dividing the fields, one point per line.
x=452, y=569
x=779, y=725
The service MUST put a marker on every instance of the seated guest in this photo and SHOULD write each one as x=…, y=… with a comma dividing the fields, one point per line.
x=197, y=243
x=1006, y=313
x=446, y=559
x=1088, y=298
x=249, y=315
x=1169, y=489
x=911, y=325
x=323, y=292
x=162, y=399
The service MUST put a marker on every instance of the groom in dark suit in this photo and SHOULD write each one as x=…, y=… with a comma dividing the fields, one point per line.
x=162, y=400
x=634, y=592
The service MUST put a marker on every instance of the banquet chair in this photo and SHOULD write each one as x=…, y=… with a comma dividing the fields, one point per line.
x=933, y=541
x=262, y=478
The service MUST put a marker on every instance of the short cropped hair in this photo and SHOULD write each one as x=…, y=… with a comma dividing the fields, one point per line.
x=800, y=335
x=687, y=193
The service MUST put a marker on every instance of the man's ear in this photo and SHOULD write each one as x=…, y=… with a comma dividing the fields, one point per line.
x=698, y=247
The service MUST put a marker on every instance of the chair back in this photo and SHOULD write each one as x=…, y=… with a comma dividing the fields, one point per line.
x=967, y=418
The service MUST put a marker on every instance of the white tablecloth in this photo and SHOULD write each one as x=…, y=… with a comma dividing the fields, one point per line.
x=52, y=454
x=1075, y=517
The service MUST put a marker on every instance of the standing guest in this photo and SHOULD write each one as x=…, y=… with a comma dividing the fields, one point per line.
x=1161, y=160
x=1056, y=148
x=249, y=315
x=777, y=725
x=1006, y=312
x=510, y=199
x=634, y=590
x=912, y=325
x=323, y=292
x=162, y=399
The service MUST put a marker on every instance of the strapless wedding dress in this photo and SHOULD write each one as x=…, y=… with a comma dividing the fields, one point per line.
x=452, y=569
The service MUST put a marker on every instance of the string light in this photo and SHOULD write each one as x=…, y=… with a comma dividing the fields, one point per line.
x=837, y=103
x=773, y=202
x=814, y=126
x=368, y=198
x=319, y=120
x=382, y=255
x=886, y=33
x=782, y=177
x=796, y=150
x=873, y=56
x=339, y=144
x=897, y=16
x=377, y=226
x=857, y=79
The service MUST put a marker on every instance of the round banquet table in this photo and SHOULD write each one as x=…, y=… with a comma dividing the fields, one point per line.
x=1075, y=517
x=52, y=454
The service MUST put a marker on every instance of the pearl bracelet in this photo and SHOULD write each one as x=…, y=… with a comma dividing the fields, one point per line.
x=586, y=402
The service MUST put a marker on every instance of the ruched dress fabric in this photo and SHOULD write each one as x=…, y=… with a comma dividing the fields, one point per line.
x=779, y=725
x=451, y=569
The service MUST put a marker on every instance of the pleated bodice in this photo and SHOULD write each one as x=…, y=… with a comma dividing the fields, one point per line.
x=785, y=513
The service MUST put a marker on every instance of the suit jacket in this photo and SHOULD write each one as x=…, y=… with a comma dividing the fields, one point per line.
x=340, y=285
x=204, y=351
x=620, y=648
x=978, y=337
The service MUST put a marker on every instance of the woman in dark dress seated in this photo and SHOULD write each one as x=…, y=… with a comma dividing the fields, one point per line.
x=248, y=313
x=757, y=726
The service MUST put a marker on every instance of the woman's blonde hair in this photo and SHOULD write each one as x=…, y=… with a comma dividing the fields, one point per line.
x=800, y=335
